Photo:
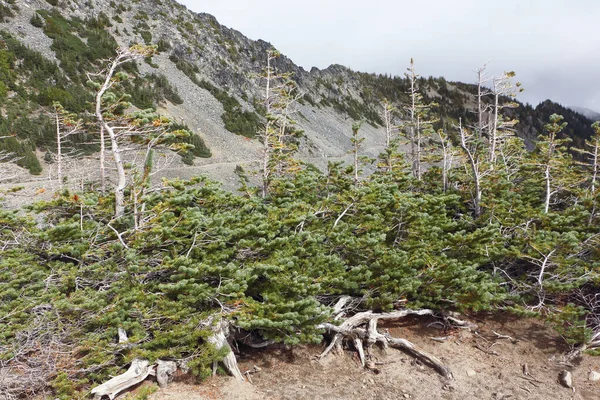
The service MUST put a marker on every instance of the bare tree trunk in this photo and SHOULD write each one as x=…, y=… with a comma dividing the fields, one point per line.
x=123, y=56
x=595, y=167
x=355, y=164
x=102, y=160
x=594, y=180
x=548, y=189
x=137, y=372
x=446, y=158
x=219, y=340
x=58, y=151
x=480, y=106
x=362, y=328
x=387, y=116
x=418, y=166
x=474, y=170
x=356, y=144
x=494, y=130
x=413, y=112
x=266, y=171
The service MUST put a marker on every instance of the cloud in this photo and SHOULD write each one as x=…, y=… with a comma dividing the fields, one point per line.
x=553, y=45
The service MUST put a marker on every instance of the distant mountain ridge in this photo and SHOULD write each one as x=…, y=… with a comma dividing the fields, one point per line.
x=588, y=113
x=205, y=76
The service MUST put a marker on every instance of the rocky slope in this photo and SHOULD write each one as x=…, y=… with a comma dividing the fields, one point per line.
x=215, y=70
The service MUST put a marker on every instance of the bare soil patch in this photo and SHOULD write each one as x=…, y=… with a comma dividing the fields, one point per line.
x=484, y=367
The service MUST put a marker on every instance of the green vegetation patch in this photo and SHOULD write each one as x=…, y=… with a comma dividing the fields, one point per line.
x=236, y=120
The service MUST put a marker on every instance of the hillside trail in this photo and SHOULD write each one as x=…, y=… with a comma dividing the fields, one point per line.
x=484, y=365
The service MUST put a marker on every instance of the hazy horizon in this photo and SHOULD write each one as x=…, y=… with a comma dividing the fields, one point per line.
x=551, y=45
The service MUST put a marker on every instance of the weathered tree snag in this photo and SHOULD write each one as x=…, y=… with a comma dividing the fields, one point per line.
x=164, y=372
x=219, y=340
x=137, y=372
x=362, y=328
x=122, y=335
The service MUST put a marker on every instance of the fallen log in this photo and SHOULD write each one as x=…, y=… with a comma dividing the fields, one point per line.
x=137, y=372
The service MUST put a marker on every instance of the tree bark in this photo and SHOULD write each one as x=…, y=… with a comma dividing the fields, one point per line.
x=102, y=160
x=474, y=170
x=219, y=340
x=137, y=372
x=121, y=178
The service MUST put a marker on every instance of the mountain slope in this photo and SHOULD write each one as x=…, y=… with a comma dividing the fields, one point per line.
x=590, y=114
x=206, y=76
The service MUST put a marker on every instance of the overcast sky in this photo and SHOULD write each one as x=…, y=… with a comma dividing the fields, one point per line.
x=552, y=45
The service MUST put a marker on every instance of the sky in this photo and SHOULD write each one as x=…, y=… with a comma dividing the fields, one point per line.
x=552, y=45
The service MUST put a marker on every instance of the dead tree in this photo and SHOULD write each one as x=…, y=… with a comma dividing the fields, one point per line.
x=355, y=151
x=500, y=129
x=483, y=108
x=280, y=94
x=412, y=112
x=418, y=125
x=139, y=369
x=471, y=146
x=66, y=125
x=448, y=154
x=592, y=153
x=111, y=76
x=390, y=131
x=544, y=262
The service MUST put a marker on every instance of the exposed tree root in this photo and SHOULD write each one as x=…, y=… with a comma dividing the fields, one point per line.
x=361, y=329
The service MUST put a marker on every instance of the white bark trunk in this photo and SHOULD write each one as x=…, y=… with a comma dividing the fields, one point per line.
x=494, y=134
x=219, y=340
x=595, y=167
x=267, y=132
x=474, y=171
x=548, y=189
x=413, y=111
x=58, y=151
x=418, y=166
x=164, y=372
x=137, y=372
x=121, y=178
x=102, y=160
x=266, y=161
x=387, y=116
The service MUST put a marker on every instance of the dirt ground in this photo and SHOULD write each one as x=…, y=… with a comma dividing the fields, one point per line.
x=484, y=367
